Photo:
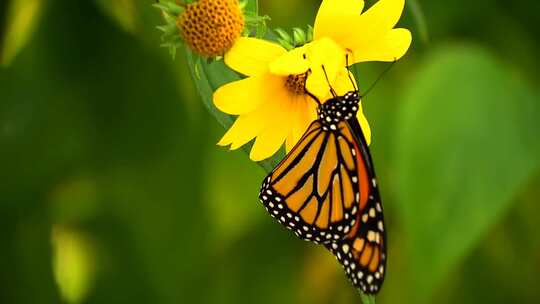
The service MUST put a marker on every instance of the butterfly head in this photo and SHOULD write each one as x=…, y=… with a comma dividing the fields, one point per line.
x=338, y=109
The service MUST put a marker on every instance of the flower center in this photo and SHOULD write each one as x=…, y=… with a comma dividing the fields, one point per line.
x=210, y=27
x=296, y=84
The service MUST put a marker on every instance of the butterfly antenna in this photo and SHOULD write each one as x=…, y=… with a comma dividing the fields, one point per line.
x=349, y=72
x=328, y=81
x=379, y=78
x=311, y=95
x=314, y=97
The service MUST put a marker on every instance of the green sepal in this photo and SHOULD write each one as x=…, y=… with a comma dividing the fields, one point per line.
x=243, y=4
x=171, y=33
x=309, y=34
x=169, y=7
x=255, y=23
x=284, y=43
x=283, y=35
x=252, y=19
x=299, y=36
x=168, y=29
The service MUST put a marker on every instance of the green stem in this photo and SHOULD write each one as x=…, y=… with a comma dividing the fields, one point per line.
x=367, y=299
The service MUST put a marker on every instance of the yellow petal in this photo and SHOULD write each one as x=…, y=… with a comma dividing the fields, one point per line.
x=343, y=83
x=372, y=24
x=323, y=52
x=251, y=56
x=364, y=124
x=268, y=143
x=244, y=129
x=290, y=142
x=270, y=139
x=359, y=32
x=269, y=122
x=292, y=63
x=331, y=11
x=303, y=113
x=317, y=84
x=382, y=16
x=244, y=96
x=392, y=46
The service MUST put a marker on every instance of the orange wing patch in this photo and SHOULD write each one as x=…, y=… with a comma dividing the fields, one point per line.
x=311, y=132
x=329, y=162
x=297, y=171
x=363, y=252
x=337, y=209
x=363, y=255
x=310, y=212
x=313, y=190
x=297, y=199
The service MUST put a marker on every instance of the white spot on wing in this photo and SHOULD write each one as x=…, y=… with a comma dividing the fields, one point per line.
x=371, y=235
x=369, y=279
x=364, y=218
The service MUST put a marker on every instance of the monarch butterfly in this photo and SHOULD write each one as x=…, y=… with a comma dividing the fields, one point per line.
x=325, y=190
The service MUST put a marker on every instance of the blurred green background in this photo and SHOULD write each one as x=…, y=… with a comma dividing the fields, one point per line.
x=112, y=189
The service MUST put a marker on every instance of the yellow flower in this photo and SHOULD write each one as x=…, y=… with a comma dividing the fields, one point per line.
x=370, y=36
x=272, y=103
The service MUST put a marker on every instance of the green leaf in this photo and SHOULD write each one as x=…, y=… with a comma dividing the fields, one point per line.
x=123, y=12
x=22, y=18
x=210, y=76
x=467, y=144
x=416, y=10
x=198, y=69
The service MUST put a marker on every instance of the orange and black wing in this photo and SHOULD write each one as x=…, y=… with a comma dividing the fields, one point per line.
x=363, y=252
x=314, y=190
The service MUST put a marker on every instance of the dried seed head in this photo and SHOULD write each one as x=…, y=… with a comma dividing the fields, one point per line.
x=210, y=27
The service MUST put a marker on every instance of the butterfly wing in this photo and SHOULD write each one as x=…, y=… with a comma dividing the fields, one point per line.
x=363, y=252
x=311, y=191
